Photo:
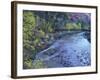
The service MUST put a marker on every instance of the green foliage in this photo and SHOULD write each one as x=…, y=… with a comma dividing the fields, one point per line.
x=28, y=64
x=28, y=26
x=73, y=26
x=38, y=64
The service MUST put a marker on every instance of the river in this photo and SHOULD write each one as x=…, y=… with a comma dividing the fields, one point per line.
x=68, y=51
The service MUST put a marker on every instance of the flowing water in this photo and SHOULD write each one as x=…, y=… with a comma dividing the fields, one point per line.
x=69, y=51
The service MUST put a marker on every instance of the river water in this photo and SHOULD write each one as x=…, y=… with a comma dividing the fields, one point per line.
x=70, y=51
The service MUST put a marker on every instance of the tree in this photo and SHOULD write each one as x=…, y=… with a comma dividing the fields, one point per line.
x=28, y=26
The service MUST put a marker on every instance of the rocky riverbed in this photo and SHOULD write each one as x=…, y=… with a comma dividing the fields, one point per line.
x=68, y=51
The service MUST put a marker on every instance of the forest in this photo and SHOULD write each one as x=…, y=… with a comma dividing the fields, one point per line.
x=45, y=32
